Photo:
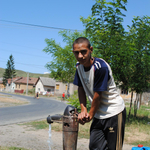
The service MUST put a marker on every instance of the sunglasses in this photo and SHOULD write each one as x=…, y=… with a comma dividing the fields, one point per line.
x=83, y=52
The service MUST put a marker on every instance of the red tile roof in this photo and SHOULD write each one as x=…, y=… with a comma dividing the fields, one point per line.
x=24, y=80
x=14, y=79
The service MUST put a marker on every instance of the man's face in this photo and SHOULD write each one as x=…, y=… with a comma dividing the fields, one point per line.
x=83, y=54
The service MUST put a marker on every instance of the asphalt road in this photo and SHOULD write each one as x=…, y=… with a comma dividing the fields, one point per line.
x=36, y=109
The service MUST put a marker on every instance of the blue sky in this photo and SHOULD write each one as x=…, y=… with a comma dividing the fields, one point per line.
x=26, y=43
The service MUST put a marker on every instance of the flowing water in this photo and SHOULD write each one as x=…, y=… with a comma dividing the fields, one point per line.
x=49, y=140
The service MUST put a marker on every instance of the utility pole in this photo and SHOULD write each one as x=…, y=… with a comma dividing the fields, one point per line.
x=12, y=84
x=27, y=83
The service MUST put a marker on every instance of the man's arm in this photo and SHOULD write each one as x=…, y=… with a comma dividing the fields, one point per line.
x=95, y=105
x=82, y=98
x=84, y=116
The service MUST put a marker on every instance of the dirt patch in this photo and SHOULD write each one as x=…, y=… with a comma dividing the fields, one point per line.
x=18, y=135
x=32, y=139
x=135, y=135
x=7, y=101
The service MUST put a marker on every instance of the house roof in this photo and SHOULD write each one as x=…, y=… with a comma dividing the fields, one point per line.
x=47, y=81
x=24, y=80
x=9, y=81
x=1, y=80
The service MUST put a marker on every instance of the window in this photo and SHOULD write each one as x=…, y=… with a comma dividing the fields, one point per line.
x=48, y=90
x=66, y=87
x=57, y=86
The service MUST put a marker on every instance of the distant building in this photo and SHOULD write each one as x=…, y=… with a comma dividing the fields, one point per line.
x=1, y=84
x=62, y=87
x=52, y=87
x=10, y=85
x=45, y=85
x=21, y=84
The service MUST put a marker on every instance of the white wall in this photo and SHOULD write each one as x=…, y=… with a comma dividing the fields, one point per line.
x=39, y=87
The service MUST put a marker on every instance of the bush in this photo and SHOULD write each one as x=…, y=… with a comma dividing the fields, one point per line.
x=31, y=91
x=74, y=101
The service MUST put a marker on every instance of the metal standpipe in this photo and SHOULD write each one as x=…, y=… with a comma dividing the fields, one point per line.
x=69, y=127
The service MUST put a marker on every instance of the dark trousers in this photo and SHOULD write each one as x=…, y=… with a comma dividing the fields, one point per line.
x=107, y=134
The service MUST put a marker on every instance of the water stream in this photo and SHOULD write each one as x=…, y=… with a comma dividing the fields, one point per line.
x=49, y=140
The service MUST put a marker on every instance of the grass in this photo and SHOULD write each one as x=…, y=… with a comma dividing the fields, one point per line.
x=83, y=130
x=11, y=148
x=7, y=101
x=37, y=124
x=3, y=95
x=137, y=130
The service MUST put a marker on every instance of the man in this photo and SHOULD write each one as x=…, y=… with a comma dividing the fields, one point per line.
x=63, y=96
x=94, y=80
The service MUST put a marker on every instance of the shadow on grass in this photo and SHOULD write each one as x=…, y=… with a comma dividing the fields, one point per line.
x=138, y=119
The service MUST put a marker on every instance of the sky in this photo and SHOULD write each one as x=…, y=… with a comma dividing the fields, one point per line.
x=26, y=42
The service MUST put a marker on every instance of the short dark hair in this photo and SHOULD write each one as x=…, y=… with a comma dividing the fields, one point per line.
x=82, y=40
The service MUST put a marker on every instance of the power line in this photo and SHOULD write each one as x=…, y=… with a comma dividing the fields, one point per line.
x=23, y=53
x=41, y=26
x=18, y=26
x=33, y=66
x=26, y=64
x=19, y=45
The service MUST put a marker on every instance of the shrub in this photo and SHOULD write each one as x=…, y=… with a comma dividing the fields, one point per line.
x=74, y=101
x=31, y=91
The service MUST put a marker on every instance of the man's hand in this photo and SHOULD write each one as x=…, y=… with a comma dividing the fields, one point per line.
x=83, y=117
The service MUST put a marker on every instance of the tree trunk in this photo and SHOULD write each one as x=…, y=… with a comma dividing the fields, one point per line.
x=135, y=108
x=140, y=100
x=130, y=105
x=136, y=102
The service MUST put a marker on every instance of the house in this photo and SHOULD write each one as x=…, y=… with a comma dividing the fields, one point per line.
x=45, y=85
x=21, y=84
x=10, y=85
x=2, y=87
x=62, y=87
x=50, y=86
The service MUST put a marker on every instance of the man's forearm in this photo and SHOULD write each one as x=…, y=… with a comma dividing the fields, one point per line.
x=82, y=98
x=95, y=104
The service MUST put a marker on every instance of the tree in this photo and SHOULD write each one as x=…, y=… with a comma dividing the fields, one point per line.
x=62, y=67
x=139, y=36
x=10, y=70
x=107, y=34
x=126, y=52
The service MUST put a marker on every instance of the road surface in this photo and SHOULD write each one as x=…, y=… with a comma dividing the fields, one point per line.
x=36, y=109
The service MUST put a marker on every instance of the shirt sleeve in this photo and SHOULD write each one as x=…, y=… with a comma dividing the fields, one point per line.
x=77, y=80
x=101, y=79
